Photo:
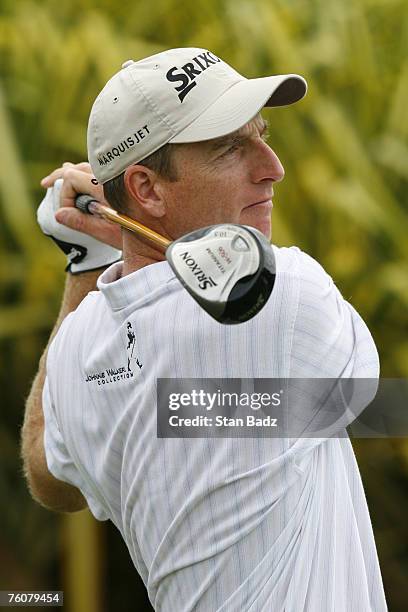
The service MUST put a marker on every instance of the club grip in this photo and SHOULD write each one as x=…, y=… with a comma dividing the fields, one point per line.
x=83, y=201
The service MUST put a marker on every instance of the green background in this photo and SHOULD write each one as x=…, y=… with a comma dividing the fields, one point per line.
x=343, y=200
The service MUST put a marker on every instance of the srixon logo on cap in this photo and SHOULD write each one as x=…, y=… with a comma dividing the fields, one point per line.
x=187, y=74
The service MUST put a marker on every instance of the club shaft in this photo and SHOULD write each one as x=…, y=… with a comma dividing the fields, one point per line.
x=96, y=208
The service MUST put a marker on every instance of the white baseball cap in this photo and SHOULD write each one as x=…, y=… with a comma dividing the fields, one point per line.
x=177, y=96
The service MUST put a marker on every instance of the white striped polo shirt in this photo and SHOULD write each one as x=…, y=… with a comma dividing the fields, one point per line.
x=226, y=525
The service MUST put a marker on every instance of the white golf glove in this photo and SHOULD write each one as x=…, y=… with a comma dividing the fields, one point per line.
x=83, y=252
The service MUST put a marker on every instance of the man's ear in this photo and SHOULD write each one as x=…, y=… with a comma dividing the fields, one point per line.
x=143, y=185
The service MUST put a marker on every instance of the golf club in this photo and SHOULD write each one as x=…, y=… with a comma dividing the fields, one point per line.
x=228, y=269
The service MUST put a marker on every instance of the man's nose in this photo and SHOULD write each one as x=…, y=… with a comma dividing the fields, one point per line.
x=267, y=165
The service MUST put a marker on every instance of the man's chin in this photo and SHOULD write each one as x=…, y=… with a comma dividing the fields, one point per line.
x=261, y=223
x=266, y=231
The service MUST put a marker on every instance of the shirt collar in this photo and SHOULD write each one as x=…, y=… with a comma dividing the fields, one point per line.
x=121, y=291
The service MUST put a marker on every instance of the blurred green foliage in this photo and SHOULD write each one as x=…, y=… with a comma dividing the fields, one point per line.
x=343, y=200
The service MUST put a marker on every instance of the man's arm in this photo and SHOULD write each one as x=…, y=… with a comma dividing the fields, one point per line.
x=44, y=487
x=57, y=212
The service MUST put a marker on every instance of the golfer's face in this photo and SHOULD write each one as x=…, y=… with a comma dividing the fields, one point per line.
x=229, y=179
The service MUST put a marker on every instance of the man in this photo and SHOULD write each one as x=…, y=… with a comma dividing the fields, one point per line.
x=211, y=524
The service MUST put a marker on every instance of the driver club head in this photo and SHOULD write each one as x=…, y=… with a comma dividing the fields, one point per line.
x=228, y=269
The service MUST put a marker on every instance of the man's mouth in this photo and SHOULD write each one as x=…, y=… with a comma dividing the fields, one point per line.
x=266, y=203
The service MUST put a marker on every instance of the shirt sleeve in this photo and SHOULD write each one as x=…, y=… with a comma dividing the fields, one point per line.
x=334, y=365
x=59, y=460
x=330, y=338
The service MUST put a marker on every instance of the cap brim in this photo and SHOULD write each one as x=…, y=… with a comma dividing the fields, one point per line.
x=240, y=103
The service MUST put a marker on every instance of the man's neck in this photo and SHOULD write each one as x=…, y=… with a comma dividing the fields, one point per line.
x=138, y=253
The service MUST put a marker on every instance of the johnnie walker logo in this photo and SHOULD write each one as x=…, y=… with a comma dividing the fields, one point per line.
x=123, y=372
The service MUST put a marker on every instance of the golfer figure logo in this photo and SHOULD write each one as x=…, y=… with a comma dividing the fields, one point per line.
x=131, y=348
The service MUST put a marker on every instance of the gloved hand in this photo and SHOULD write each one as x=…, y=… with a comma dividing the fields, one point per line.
x=83, y=252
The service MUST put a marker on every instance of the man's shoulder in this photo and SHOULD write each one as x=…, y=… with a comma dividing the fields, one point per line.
x=77, y=322
x=317, y=297
x=293, y=261
x=86, y=309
